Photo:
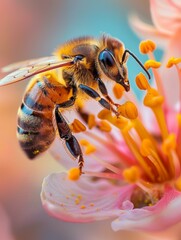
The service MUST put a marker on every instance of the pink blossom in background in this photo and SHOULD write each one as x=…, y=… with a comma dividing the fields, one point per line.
x=166, y=31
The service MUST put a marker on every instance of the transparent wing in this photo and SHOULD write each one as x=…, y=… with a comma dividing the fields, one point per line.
x=31, y=67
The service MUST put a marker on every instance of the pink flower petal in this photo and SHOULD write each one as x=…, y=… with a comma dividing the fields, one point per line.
x=169, y=76
x=146, y=31
x=5, y=231
x=155, y=218
x=165, y=15
x=83, y=201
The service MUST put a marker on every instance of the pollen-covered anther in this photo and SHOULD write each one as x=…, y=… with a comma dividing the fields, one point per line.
x=91, y=121
x=173, y=61
x=131, y=174
x=152, y=64
x=118, y=90
x=128, y=110
x=153, y=98
x=77, y=126
x=104, y=126
x=74, y=174
x=147, y=46
x=89, y=148
x=169, y=144
x=142, y=82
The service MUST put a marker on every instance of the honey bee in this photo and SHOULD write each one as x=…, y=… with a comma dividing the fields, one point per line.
x=81, y=65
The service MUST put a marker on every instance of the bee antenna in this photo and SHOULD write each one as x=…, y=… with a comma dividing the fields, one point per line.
x=138, y=61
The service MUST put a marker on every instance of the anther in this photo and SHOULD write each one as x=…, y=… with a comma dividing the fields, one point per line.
x=118, y=90
x=77, y=126
x=142, y=82
x=128, y=110
x=89, y=148
x=91, y=121
x=152, y=64
x=147, y=46
x=74, y=174
x=153, y=98
x=131, y=174
x=173, y=61
x=105, y=126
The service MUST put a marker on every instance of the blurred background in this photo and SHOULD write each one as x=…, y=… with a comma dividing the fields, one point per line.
x=30, y=29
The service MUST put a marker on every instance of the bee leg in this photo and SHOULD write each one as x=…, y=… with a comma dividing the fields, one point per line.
x=93, y=94
x=70, y=141
x=104, y=92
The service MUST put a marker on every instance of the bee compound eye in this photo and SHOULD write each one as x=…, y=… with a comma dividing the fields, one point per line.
x=106, y=59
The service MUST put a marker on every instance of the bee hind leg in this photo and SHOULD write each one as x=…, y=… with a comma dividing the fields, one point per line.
x=71, y=142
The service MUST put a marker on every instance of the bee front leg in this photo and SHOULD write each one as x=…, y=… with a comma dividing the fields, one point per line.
x=95, y=95
x=104, y=92
x=71, y=142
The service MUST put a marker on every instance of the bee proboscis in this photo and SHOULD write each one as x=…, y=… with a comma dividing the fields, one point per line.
x=82, y=65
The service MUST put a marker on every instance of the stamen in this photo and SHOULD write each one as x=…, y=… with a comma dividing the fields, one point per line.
x=77, y=126
x=128, y=110
x=148, y=150
x=168, y=148
x=108, y=166
x=152, y=64
x=89, y=148
x=103, y=175
x=135, y=150
x=104, y=126
x=178, y=184
x=74, y=174
x=91, y=121
x=142, y=82
x=154, y=100
x=118, y=90
x=174, y=62
x=147, y=46
x=131, y=174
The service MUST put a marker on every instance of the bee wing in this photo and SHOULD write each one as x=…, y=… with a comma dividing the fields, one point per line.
x=32, y=67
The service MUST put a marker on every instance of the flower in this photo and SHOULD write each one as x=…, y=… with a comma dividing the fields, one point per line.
x=166, y=21
x=132, y=174
x=166, y=31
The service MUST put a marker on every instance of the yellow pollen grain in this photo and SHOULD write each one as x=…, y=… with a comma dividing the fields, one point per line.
x=142, y=82
x=169, y=144
x=77, y=126
x=74, y=174
x=128, y=110
x=105, y=126
x=131, y=174
x=91, y=204
x=82, y=207
x=118, y=90
x=36, y=152
x=173, y=61
x=152, y=64
x=91, y=121
x=147, y=46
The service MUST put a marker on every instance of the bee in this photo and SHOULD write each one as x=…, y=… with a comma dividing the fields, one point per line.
x=80, y=66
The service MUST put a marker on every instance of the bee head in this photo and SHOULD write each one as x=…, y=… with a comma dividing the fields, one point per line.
x=113, y=68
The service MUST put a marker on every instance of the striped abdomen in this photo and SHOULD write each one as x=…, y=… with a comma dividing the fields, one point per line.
x=35, y=129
